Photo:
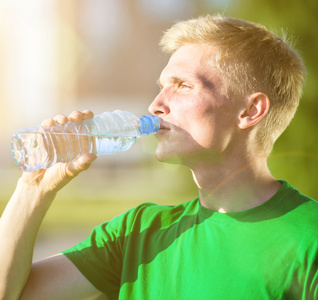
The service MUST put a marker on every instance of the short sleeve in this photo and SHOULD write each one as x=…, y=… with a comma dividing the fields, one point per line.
x=99, y=257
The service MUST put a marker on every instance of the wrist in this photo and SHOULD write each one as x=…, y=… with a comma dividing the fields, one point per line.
x=33, y=193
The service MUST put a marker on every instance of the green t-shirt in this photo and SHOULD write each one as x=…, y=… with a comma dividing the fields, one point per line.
x=189, y=252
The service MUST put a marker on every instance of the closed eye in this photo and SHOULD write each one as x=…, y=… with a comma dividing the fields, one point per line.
x=177, y=83
x=183, y=85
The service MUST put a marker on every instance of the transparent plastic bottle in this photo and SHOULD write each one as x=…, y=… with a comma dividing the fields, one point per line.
x=41, y=147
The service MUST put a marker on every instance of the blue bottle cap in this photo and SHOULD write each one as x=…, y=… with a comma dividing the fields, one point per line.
x=149, y=124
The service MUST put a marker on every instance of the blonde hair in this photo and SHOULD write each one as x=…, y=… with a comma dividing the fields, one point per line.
x=251, y=59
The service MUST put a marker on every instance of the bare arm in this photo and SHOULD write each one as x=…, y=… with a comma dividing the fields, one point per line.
x=57, y=278
x=19, y=226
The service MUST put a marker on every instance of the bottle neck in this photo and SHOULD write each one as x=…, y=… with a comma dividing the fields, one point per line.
x=149, y=124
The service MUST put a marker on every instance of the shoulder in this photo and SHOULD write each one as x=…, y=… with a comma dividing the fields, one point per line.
x=149, y=213
x=299, y=200
x=303, y=209
x=146, y=217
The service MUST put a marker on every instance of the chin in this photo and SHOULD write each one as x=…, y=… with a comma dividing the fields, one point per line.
x=170, y=158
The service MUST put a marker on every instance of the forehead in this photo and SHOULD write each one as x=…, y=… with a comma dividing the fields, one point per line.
x=190, y=62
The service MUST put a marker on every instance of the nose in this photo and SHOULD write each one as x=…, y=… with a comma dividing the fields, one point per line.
x=158, y=106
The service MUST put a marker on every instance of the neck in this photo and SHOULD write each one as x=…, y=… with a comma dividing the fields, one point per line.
x=235, y=187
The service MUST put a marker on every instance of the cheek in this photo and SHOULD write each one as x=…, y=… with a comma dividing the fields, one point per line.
x=203, y=133
x=186, y=104
x=193, y=114
x=194, y=105
x=209, y=125
x=201, y=126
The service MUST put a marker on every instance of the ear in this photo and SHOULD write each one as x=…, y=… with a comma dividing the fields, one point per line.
x=258, y=106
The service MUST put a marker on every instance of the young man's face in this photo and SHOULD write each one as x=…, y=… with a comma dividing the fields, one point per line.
x=199, y=123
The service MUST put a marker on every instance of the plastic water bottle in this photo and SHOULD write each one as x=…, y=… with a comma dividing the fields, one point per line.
x=41, y=147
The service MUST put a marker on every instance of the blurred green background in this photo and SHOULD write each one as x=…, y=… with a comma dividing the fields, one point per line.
x=58, y=56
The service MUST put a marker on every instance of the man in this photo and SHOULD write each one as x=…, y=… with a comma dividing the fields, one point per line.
x=228, y=91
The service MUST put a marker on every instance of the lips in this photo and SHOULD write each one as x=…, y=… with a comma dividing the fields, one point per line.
x=163, y=127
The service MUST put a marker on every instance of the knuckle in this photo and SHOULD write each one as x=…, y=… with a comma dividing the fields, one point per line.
x=60, y=118
x=75, y=115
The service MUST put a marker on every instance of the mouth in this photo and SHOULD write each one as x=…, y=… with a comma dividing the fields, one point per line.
x=164, y=127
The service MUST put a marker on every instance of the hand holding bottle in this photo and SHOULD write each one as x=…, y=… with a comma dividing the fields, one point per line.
x=23, y=215
x=53, y=179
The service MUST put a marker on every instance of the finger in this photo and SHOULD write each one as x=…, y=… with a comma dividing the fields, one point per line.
x=87, y=114
x=61, y=119
x=48, y=123
x=76, y=116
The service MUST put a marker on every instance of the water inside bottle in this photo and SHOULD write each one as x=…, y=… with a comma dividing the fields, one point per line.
x=32, y=151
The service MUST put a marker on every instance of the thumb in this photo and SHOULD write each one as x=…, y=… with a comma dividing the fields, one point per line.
x=61, y=174
x=75, y=167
